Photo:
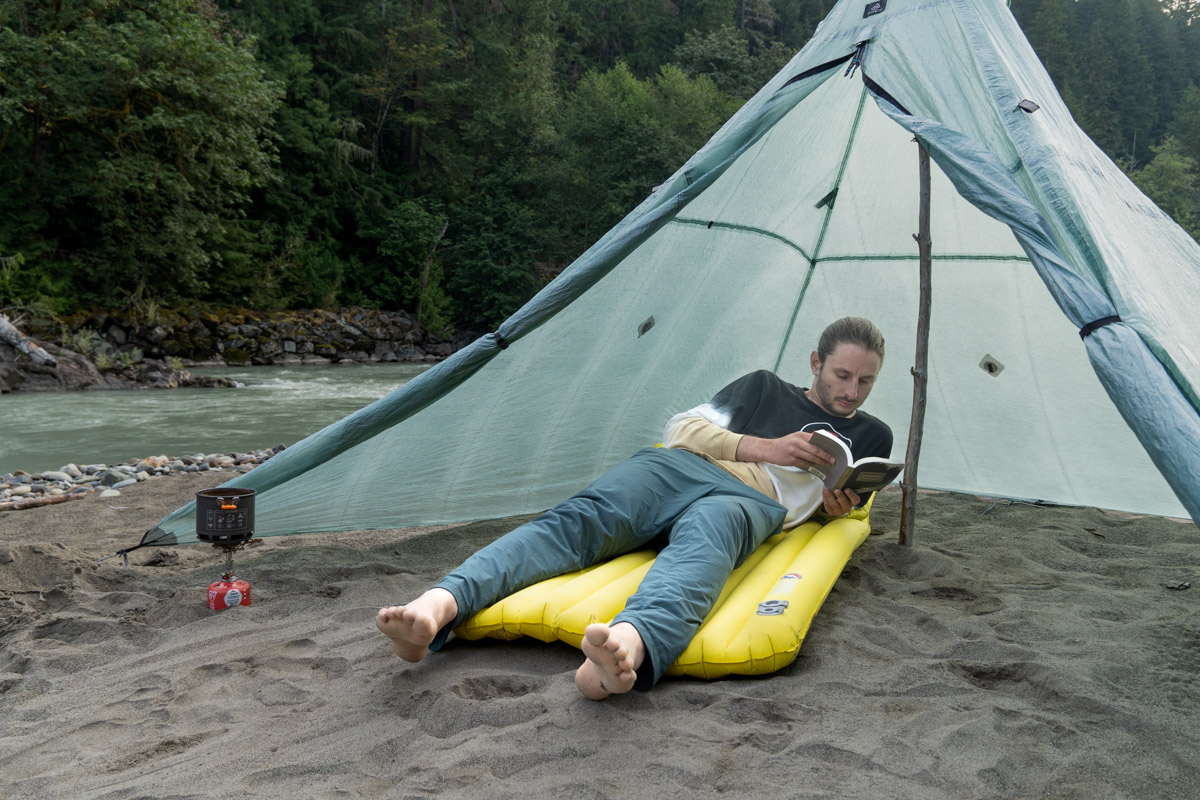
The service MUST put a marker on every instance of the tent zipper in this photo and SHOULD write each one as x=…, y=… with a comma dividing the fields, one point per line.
x=856, y=61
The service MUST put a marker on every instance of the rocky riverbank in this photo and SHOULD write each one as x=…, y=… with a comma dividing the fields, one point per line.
x=29, y=366
x=21, y=489
x=283, y=338
x=107, y=350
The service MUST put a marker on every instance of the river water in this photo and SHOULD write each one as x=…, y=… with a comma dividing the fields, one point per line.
x=273, y=405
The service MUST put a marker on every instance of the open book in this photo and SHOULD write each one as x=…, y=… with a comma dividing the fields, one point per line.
x=862, y=476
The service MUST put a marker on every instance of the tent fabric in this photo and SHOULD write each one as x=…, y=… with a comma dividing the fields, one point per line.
x=799, y=210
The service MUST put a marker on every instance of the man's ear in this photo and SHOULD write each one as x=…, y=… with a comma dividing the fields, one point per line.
x=815, y=362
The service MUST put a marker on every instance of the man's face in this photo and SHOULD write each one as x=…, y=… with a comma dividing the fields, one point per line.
x=842, y=383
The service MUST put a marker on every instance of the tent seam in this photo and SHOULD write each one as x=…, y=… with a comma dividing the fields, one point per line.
x=746, y=229
x=742, y=228
x=936, y=257
x=813, y=260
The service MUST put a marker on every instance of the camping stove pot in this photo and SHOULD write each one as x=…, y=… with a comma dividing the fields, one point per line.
x=225, y=516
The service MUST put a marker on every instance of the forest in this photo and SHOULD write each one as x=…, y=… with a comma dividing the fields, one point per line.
x=443, y=157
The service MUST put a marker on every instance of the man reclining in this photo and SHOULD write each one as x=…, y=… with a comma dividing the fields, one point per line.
x=729, y=477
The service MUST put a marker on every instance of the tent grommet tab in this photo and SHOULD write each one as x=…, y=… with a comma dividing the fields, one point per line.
x=1086, y=330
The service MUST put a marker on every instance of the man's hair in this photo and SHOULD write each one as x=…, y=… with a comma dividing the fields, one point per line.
x=850, y=330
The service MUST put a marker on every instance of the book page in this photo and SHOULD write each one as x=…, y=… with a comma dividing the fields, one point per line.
x=830, y=474
x=872, y=475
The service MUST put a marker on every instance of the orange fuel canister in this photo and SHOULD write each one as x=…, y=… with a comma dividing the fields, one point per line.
x=228, y=593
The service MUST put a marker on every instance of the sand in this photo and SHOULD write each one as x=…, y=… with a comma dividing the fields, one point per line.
x=1023, y=652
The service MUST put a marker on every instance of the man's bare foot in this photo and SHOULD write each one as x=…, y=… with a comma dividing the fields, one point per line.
x=613, y=655
x=412, y=627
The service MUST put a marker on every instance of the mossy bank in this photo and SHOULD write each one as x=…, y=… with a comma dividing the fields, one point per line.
x=242, y=337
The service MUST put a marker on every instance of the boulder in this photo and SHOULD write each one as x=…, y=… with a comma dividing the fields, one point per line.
x=61, y=370
x=71, y=372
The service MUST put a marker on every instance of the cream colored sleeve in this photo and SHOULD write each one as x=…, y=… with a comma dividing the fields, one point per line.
x=689, y=431
x=692, y=432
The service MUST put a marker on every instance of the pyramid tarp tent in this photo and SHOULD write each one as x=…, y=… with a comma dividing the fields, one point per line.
x=1064, y=331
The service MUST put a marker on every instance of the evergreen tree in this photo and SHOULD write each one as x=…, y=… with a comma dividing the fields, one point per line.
x=1185, y=125
x=1050, y=36
x=446, y=156
x=413, y=237
x=294, y=228
x=623, y=136
x=724, y=56
x=1117, y=86
x=1099, y=84
x=797, y=19
x=1172, y=180
x=137, y=131
x=1160, y=43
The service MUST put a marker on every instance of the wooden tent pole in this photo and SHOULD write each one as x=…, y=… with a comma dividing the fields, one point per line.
x=920, y=372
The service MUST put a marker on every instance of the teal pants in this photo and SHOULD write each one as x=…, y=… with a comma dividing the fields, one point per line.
x=707, y=520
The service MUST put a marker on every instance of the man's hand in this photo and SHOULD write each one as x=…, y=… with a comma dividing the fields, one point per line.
x=839, y=502
x=794, y=450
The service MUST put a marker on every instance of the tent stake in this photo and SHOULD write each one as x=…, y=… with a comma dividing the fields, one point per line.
x=920, y=372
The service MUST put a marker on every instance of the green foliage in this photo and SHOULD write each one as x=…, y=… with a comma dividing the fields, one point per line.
x=623, y=136
x=1172, y=180
x=1050, y=36
x=11, y=279
x=22, y=284
x=492, y=257
x=127, y=358
x=138, y=130
x=1187, y=9
x=444, y=158
x=412, y=238
x=84, y=341
x=1185, y=126
x=639, y=33
x=724, y=56
x=293, y=227
x=798, y=19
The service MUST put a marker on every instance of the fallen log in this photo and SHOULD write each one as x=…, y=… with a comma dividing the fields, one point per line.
x=33, y=502
x=23, y=344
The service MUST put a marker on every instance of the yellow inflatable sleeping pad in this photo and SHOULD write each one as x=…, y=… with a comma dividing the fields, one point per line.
x=755, y=628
